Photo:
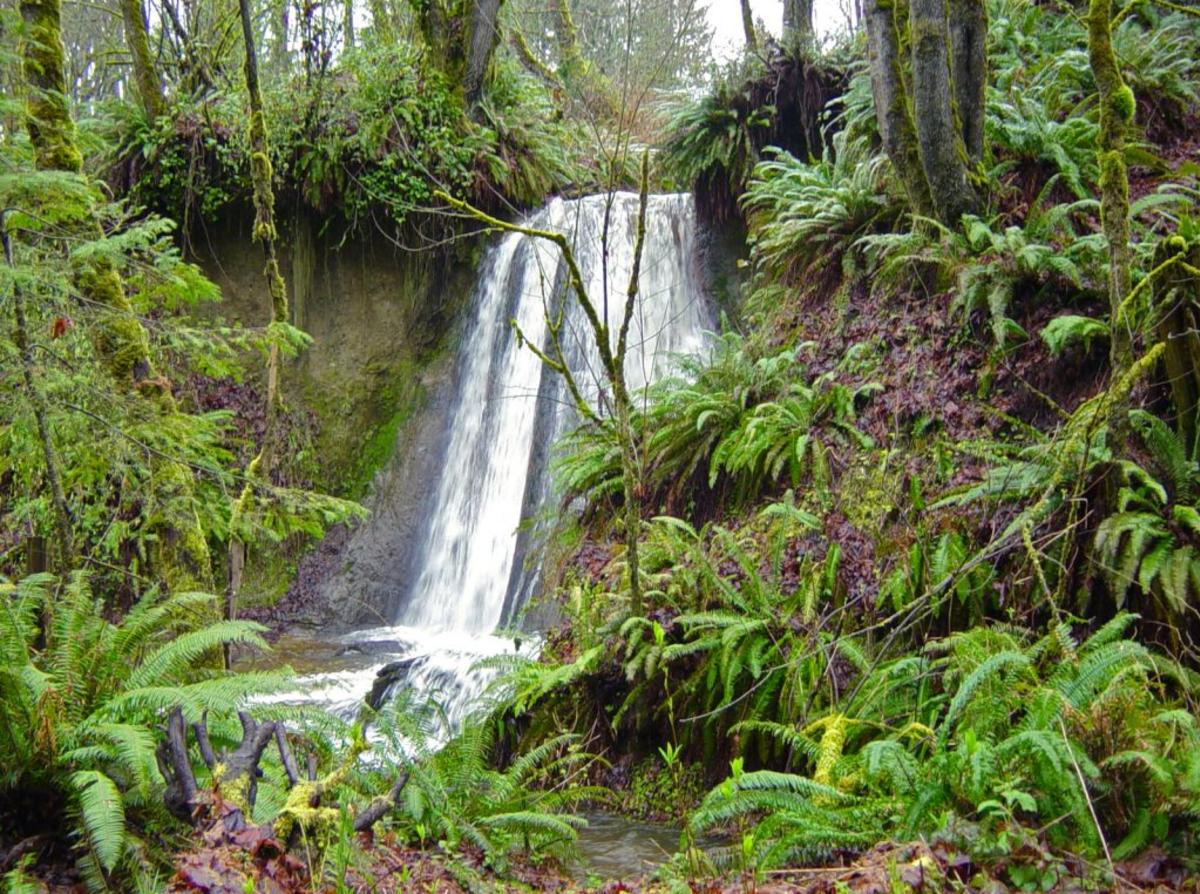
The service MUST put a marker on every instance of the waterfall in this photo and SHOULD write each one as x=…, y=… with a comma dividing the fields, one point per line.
x=509, y=408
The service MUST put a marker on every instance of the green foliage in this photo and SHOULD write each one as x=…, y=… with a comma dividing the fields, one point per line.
x=532, y=151
x=712, y=143
x=1023, y=127
x=1050, y=254
x=381, y=132
x=455, y=796
x=744, y=638
x=743, y=422
x=80, y=695
x=800, y=214
x=1150, y=540
x=1018, y=734
x=107, y=445
x=1067, y=330
x=932, y=563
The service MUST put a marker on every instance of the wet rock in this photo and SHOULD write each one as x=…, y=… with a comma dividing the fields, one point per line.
x=389, y=676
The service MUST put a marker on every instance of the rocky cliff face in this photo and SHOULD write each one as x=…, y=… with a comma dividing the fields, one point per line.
x=384, y=323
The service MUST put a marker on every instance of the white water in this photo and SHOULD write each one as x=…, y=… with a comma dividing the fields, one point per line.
x=507, y=410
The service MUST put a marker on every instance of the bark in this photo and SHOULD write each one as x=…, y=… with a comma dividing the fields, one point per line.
x=531, y=62
x=573, y=63
x=265, y=232
x=968, y=44
x=630, y=477
x=235, y=777
x=939, y=141
x=181, y=794
x=798, y=23
x=484, y=35
x=748, y=27
x=179, y=553
x=1116, y=113
x=145, y=77
x=264, y=201
x=462, y=36
x=1177, y=301
x=348, y=21
x=51, y=129
x=892, y=112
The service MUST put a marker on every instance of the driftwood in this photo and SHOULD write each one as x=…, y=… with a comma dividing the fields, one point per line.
x=236, y=772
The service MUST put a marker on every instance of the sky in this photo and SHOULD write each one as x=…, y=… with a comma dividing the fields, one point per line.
x=726, y=19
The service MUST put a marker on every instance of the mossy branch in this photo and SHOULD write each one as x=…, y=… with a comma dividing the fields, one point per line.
x=1117, y=109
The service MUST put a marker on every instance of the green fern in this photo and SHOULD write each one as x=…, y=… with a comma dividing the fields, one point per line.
x=80, y=694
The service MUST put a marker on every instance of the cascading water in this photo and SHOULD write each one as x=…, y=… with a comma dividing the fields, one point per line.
x=509, y=407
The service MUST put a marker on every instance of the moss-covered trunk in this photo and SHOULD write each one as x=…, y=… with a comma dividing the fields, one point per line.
x=939, y=140
x=884, y=24
x=265, y=233
x=930, y=111
x=179, y=554
x=798, y=23
x=1116, y=112
x=145, y=77
x=748, y=27
x=461, y=36
x=37, y=400
x=1177, y=306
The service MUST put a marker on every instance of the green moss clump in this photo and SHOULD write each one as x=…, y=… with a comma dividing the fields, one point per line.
x=1124, y=103
x=47, y=117
x=657, y=792
x=868, y=491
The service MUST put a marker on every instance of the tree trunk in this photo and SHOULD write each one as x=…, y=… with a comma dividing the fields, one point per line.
x=968, y=43
x=892, y=110
x=461, y=35
x=51, y=129
x=1177, y=304
x=748, y=27
x=179, y=554
x=1117, y=109
x=265, y=232
x=145, y=78
x=348, y=22
x=484, y=35
x=940, y=143
x=798, y=23
x=37, y=400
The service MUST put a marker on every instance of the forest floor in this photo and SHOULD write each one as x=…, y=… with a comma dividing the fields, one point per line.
x=252, y=860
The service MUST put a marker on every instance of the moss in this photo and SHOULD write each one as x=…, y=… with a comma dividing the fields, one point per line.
x=657, y=792
x=317, y=823
x=1124, y=105
x=868, y=491
x=145, y=77
x=236, y=791
x=179, y=552
x=268, y=573
x=51, y=129
x=1116, y=111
